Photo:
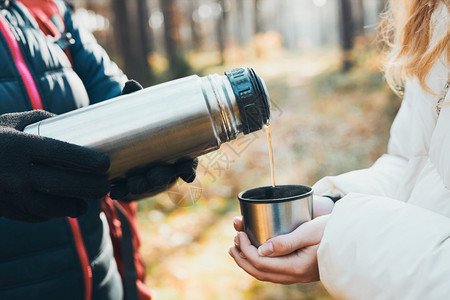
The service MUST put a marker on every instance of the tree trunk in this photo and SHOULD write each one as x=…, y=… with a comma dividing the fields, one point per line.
x=120, y=27
x=146, y=33
x=222, y=29
x=171, y=34
x=144, y=41
x=346, y=30
x=131, y=36
x=358, y=16
x=178, y=66
x=196, y=35
x=258, y=19
x=241, y=21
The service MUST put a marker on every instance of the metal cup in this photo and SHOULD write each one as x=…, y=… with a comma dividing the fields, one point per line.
x=270, y=211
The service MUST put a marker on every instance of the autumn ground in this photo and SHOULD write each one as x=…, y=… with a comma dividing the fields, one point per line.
x=323, y=122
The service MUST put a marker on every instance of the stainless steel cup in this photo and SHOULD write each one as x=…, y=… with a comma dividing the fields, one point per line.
x=270, y=211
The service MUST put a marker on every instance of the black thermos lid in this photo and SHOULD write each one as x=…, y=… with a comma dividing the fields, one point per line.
x=251, y=97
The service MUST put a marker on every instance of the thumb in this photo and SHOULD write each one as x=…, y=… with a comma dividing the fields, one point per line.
x=307, y=234
x=131, y=86
x=21, y=120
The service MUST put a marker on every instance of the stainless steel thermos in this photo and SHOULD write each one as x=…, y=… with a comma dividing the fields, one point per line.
x=182, y=118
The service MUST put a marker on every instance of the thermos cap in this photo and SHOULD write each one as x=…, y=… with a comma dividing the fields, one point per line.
x=251, y=97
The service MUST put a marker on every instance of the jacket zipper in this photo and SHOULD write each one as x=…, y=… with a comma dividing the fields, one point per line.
x=84, y=259
x=19, y=61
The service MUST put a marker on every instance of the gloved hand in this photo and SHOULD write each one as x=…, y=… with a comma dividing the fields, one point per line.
x=42, y=178
x=155, y=178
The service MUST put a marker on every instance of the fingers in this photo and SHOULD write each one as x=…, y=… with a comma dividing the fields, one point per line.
x=307, y=234
x=156, y=179
x=131, y=86
x=238, y=223
x=322, y=206
x=20, y=120
x=258, y=274
x=62, y=182
x=161, y=176
x=156, y=190
x=267, y=264
x=299, y=266
x=187, y=170
x=283, y=244
x=119, y=190
x=137, y=184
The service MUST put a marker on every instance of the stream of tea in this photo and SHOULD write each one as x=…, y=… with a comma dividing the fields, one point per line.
x=269, y=141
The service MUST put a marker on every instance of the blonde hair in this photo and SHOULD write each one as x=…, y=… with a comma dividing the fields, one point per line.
x=416, y=35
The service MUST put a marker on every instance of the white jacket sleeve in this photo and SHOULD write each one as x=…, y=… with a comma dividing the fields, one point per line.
x=379, y=248
x=380, y=179
x=385, y=174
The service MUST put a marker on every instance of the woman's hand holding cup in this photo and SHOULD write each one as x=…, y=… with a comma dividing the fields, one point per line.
x=287, y=258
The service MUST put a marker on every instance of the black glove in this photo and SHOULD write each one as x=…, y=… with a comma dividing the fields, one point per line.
x=42, y=178
x=155, y=178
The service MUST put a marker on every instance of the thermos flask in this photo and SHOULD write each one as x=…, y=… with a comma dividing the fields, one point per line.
x=183, y=118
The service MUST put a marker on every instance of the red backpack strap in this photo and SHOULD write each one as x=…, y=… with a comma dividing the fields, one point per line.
x=131, y=257
x=50, y=21
x=125, y=237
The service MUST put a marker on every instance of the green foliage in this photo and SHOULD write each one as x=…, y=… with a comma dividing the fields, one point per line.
x=164, y=69
x=179, y=67
x=356, y=79
x=365, y=75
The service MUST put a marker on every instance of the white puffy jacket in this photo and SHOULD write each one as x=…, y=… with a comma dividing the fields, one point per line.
x=389, y=236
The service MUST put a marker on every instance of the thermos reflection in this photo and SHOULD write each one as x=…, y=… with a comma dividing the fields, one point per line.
x=187, y=117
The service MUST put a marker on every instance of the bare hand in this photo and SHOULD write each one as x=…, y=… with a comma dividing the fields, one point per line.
x=285, y=259
x=322, y=206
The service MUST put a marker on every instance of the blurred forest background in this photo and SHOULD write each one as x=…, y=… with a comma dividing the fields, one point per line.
x=331, y=113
